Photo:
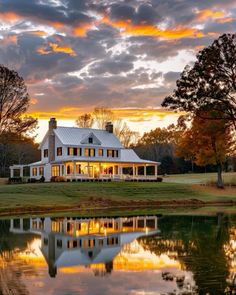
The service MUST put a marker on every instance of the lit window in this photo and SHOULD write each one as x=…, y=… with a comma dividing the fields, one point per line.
x=45, y=153
x=55, y=170
x=41, y=171
x=89, y=152
x=100, y=152
x=109, y=153
x=70, y=151
x=59, y=151
x=69, y=169
x=86, y=152
x=34, y=171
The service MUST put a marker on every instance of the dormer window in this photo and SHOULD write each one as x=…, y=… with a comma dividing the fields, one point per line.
x=90, y=140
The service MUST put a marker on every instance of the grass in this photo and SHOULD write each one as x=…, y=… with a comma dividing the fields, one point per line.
x=119, y=197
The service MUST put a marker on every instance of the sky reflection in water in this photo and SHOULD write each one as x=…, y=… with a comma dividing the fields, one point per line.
x=128, y=255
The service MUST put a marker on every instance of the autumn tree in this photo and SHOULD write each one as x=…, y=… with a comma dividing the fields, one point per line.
x=14, y=102
x=85, y=121
x=210, y=84
x=207, y=141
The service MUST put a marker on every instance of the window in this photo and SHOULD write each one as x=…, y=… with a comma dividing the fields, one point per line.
x=77, y=151
x=109, y=153
x=34, y=171
x=59, y=151
x=70, y=151
x=112, y=153
x=89, y=152
x=100, y=152
x=69, y=169
x=41, y=171
x=90, y=140
x=45, y=153
x=55, y=171
x=78, y=169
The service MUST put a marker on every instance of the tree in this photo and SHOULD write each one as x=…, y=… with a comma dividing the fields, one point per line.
x=101, y=116
x=14, y=102
x=16, y=149
x=207, y=141
x=210, y=84
x=85, y=121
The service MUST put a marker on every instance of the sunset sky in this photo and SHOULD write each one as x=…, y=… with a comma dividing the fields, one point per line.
x=76, y=55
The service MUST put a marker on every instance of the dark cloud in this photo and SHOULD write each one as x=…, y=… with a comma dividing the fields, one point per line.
x=101, y=63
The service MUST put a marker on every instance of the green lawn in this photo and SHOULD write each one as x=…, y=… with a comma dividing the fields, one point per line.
x=177, y=189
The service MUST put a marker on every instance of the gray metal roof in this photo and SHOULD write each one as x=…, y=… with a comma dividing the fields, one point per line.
x=76, y=136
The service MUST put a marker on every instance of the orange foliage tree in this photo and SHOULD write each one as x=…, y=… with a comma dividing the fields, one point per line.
x=207, y=141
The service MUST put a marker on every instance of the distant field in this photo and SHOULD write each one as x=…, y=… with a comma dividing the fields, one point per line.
x=200, y=178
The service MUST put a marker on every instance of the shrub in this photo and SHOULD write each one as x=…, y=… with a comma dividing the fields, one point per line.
x=42, y=179
x=159, y=179
x=15, y=180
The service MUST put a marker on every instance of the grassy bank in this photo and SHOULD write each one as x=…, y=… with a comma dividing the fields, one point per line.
x=114, y=196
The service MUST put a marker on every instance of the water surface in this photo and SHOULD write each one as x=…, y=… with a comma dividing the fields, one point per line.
x=125, y=255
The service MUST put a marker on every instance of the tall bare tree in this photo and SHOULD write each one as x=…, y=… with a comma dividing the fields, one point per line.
x=85, y=121
x=14, y=102
x=101, y=116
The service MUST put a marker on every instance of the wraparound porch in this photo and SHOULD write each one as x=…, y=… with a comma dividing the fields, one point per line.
x=115, y=171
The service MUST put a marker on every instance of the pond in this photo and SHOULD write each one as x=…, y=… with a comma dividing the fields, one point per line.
x=121, y=255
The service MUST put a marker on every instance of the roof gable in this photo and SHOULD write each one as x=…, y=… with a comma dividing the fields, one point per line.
x=95, y=140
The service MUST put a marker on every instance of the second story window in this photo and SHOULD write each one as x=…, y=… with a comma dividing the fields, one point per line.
x=100, y=152
x=45, y=153
x=59, y=151
x=70, y=151
x=89, y=152
x=112, y=153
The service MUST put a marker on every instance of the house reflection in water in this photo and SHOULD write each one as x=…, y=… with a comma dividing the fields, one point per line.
x=68, y=242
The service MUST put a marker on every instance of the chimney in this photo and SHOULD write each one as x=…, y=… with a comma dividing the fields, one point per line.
x=51, y=139
x=109, y=127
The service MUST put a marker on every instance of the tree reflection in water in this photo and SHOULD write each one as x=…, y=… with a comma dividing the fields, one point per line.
x=189, y=250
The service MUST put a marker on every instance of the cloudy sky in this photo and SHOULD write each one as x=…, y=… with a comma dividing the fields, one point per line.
x=126, y=55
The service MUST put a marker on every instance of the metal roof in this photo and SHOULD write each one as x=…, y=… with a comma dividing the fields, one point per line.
x=76, y=136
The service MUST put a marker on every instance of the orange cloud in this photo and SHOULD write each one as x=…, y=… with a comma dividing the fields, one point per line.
x=38, y=33
x=205, y=14
x=225, y=20
x=9, y=16
x=54, y=47
x=130, y=114
x=128, y=28
x=82, y=30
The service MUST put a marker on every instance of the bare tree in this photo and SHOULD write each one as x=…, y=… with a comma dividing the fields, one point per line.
x=101, y=116
x=14, y=102
x=85, y=121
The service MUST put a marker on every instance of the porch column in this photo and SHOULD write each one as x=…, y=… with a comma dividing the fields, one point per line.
x=145, y=171
x=133, y=171
x=21, y=171
x=74, y=168
x=121, y=171
x=155, y=170
x=11, y=172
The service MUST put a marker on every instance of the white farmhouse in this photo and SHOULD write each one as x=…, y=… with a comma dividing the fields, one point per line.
x=85, y=153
